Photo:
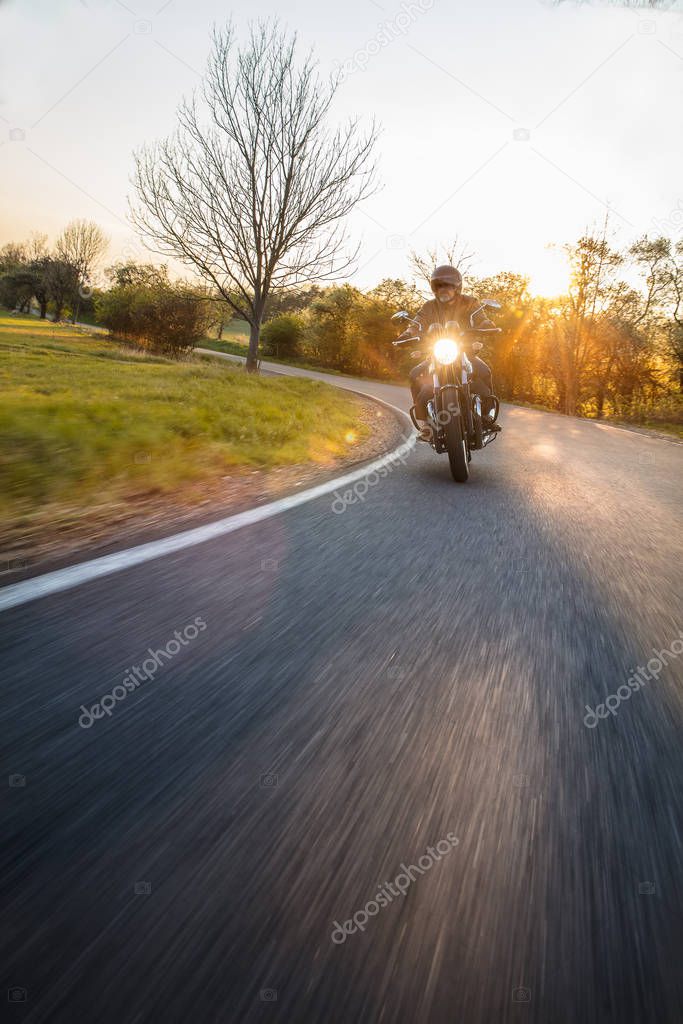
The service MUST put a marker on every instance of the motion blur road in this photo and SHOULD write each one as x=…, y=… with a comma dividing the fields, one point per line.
x=369, y=680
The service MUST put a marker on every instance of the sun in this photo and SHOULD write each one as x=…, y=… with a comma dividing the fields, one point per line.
x=550, y=277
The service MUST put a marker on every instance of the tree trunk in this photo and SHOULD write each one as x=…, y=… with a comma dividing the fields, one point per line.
x=252, y=355
x=600, y=410
x=43, y=309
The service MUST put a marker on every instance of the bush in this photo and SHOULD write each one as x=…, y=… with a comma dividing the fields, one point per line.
x=17, y=289
x=329, y=337
x=166, y=318
x=352, y=331
x=281, y=337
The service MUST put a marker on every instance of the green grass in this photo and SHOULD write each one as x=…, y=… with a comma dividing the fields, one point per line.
x=84, y=420
x=235, y=348
x=235, y=338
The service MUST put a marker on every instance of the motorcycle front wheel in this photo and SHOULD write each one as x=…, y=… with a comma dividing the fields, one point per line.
x=455, y=443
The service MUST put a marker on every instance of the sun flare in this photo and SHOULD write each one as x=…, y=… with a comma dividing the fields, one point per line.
x=551, y=277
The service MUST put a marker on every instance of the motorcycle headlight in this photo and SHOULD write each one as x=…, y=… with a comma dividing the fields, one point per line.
x=446, y=351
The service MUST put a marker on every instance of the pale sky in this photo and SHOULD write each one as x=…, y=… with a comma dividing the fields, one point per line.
x=512, y=123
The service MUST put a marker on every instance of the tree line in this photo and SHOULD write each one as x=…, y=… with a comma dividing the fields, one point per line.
x=58, y=279
x=611, y=346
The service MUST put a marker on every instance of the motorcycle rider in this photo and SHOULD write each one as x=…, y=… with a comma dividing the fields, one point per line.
x=450, y=304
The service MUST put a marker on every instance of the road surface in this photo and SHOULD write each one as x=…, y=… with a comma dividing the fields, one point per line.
x=372, y=679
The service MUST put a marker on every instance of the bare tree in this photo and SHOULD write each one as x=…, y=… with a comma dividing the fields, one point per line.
x=81, y=246
x=458, y=254
x=12, y=255
x=253, y=188
x=36, y=247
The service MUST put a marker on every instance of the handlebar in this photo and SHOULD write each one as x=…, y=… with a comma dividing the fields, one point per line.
x=468, y=330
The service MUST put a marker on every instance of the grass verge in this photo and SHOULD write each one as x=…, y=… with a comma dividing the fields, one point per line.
x=657, y=426
x=238, y=348
x=84, y=420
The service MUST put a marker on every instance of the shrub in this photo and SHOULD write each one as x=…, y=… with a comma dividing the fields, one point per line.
x=329, y=338
x=282, y=336
x=352, y=331
x=166, y=318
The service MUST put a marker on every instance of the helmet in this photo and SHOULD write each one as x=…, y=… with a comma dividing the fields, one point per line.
x=447, y=275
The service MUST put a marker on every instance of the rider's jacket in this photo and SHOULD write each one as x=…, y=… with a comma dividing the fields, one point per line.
x=462, y=307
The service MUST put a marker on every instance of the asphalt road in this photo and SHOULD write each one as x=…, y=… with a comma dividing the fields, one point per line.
x=368, y=681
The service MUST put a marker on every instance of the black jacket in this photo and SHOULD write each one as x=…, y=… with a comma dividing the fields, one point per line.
x=461, y=309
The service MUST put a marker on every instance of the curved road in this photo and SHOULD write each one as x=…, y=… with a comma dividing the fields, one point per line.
x=370, y=680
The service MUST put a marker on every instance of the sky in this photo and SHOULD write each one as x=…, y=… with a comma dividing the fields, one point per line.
x=511, y=124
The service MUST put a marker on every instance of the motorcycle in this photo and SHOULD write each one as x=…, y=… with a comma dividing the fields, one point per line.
x=455, y=420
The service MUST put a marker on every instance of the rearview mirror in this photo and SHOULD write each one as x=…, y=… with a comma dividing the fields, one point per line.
x=491, y=304
x=401, y=315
